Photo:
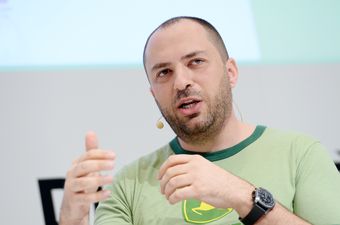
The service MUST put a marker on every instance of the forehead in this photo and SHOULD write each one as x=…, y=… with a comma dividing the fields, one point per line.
x=176, y=40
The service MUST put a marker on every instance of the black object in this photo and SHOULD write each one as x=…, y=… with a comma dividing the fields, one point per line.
x=46, y=186
x=263, y=203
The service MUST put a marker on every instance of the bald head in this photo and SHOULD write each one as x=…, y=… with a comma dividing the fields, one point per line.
x=211, y=32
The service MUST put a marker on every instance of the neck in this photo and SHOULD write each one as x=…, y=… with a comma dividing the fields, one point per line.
x=233, y=132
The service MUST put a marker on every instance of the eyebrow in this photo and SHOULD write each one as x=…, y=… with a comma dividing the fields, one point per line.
x=159, y=65
x=187, y=56
x=192, y=54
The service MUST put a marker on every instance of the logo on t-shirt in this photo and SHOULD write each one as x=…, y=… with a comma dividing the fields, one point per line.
x=198, y=212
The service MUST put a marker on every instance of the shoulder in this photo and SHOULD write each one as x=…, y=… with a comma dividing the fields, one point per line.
x=292, y=138
x=296, y=144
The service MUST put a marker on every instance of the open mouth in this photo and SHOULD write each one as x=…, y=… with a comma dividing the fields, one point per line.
x=188, y=104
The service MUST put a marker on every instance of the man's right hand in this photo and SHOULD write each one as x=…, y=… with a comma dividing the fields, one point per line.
x=82, y=182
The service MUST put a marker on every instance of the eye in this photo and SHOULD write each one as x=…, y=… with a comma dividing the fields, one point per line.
x=163, y=72
x=196, y=62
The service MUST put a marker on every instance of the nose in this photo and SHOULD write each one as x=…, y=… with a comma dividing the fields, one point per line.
x=183, y=79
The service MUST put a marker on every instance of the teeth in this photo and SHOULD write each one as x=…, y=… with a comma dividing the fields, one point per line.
x=188, y=105
x=188, y=102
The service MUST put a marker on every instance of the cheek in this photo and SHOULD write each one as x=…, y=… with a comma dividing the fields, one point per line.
x=162, y=96
x=212, y=86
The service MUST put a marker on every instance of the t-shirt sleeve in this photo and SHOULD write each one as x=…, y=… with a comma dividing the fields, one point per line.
x=317, y=196
x=116, y=210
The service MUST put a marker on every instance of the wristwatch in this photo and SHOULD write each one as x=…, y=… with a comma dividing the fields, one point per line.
x=263, y=203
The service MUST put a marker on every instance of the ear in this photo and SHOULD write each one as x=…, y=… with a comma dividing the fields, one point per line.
x=232, y=72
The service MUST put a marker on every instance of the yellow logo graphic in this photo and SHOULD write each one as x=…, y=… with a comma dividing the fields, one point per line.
x=198, y=212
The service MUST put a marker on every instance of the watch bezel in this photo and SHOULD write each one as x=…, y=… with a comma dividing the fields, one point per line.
x=261, y=207
x=268, y=203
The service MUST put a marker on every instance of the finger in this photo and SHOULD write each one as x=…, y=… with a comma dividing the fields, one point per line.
x=182, y=194
x=90, y=166
x=171, y=173
x=172, y=161
x=91, y=141
x=89, y=183
x=90, y=198
x=175, y=183
x=97, y=154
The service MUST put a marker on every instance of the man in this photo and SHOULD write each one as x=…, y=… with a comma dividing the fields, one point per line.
x=213, y=170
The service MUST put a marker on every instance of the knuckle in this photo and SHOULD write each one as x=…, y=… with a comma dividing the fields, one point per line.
x=166, y=179
x=76, y=185
x=162, y=184
x=67, y=186
x=69, y=173
x=72, y=186
x=176, y=195
x=81, y=158
x=172, y=159
x=92, y=154
x=172, y=183
x=80, y=184
x=171, y=200
x=83, y=166
x=172, y=171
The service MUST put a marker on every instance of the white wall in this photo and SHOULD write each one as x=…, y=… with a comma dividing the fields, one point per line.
x=44, y=116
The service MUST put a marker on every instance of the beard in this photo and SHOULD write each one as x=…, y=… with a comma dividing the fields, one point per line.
x=217, y=114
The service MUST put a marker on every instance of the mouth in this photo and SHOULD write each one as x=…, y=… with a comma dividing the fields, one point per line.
x=188, y=104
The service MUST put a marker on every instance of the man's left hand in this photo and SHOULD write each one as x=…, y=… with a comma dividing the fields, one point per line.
x=192, y=176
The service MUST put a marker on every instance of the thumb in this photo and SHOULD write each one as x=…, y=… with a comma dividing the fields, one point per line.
x=91, y=141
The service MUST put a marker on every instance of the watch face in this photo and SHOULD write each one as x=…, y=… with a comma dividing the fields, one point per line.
x=265, y=198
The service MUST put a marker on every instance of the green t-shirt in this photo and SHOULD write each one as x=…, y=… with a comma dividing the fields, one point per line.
x=295, y=168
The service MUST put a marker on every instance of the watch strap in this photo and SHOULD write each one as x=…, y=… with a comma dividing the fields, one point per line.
x=254, y=215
